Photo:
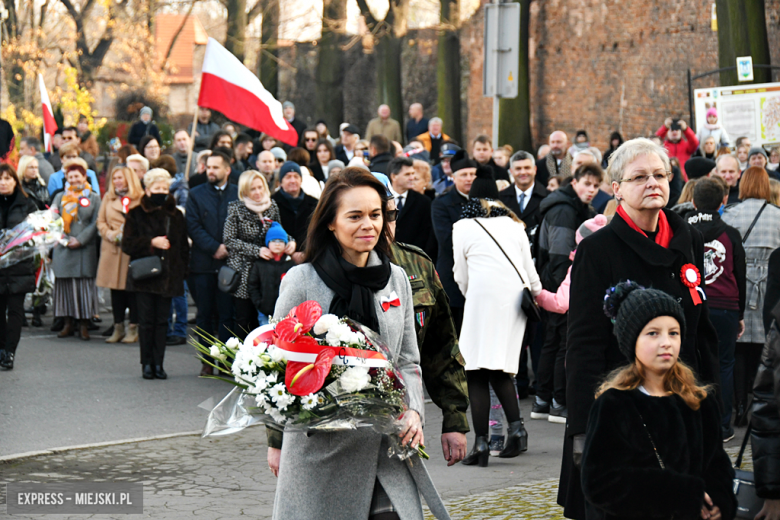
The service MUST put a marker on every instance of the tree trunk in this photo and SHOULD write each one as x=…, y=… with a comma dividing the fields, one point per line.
x=236, y=27
x=514, y=123
x=330, y=69
x=448, y=70
x=388, y=74
x=726, y=57
x=740, y=40
x=269, y=52
x=755, y=12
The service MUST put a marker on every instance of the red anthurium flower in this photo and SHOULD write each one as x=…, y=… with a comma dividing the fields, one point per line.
x=306, y=378
x=289, y=330
x=299, y=321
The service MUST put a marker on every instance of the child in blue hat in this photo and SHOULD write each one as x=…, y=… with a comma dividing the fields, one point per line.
x=266, y=275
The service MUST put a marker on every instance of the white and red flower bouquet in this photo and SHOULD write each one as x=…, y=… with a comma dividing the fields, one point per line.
x=35, y=236
x=308, y=372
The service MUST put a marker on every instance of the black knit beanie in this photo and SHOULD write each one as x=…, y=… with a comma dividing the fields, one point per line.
x=484, y=186
x=630, y=307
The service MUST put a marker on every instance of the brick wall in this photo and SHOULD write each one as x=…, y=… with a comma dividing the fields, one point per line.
x=590, y=58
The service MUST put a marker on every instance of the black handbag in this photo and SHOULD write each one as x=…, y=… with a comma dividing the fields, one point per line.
x=748, y=502
x=527, y=302
x=228, y=279
x=148, y=266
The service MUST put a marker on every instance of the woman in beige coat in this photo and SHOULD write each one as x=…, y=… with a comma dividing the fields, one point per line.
x=124, y=192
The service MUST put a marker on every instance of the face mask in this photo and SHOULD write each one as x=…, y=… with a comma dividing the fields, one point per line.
x=158, y=199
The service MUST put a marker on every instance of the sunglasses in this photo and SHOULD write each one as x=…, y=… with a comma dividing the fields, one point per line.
x=280, y=160
x=392, y=215
x=310, y=140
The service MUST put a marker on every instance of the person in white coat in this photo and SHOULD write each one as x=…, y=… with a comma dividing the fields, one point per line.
x=493, y=322
x=713, y=128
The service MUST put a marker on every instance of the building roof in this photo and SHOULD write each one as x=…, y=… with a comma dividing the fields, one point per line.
x=180, y=63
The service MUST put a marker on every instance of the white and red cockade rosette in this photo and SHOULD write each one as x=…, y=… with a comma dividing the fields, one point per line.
x=308, y=372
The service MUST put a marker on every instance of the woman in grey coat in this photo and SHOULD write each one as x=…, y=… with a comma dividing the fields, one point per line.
x=348, y=271
x=75, y=265
x=763, y=239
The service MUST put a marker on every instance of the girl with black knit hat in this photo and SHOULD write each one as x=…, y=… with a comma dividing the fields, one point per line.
x=653, y=447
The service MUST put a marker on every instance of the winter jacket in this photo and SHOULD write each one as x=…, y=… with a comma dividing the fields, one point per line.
x=146, y=221
x=719, y=133
x=608, y=256
x=206, y=215
x=82, y=261
x=265, y=277
x=89, y=143
x=499, y=172
x=763, y=240
x=772, y=297
x=205, y=131
x=37, y=192
x=557, y=302
x=562, y=212
x=113, y=263
x=180, y=190
x=244, y=235
x=181, y=163
x=18, y=278
x=724, y=262
x=295, y=220
x=380, y=161
x=140, y=129
x=445, y=211
x=57, y=182
x=682, y=149
x=388, y=127
x=765, y=433
x=622, y=476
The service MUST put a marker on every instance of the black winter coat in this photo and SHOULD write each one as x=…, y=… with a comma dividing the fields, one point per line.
x=414, y=224
x=296, y=223
x=379, y=162
x=38, y=193
x=532, y=215
x=621, y=474
x=18, y=278
x=561, y=213
x=144, y=222
x=610, y=255
x=765, y=433
x=445, y=211
x=140, y=129
x=206, y=215
x=265, y=277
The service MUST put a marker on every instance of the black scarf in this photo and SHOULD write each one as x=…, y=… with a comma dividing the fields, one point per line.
x=354, y=287
x=295, y=202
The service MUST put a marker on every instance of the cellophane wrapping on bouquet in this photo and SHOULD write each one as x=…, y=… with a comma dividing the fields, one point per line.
x=35, y=236
x=309, y=372
x=44, y=281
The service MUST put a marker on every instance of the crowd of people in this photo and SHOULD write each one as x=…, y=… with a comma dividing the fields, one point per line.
x=500, y=259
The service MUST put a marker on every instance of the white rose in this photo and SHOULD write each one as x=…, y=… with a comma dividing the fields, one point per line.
x=338, y=334
x=324, y=324
x=232, y=343
x=276, y=354
x=355, y=379
x=216, y=353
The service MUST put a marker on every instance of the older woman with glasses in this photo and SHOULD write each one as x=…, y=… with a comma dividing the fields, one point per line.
x=647, y=244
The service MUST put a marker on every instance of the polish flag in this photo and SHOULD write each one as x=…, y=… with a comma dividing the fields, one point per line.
x=229, y=87
x=49, y=124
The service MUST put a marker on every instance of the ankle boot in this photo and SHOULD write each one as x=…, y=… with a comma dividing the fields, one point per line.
x=84, y=330
x=148, y=372
x=516, y=440
x=159, y=373
x=118, y=334
x=131, y=336
x=67, y=329
x=479, y=454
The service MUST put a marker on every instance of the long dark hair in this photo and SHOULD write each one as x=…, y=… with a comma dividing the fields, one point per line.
x=328, y=145
x=6, y=168
x=319, y=237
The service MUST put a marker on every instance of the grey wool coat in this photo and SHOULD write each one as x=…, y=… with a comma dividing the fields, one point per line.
x=332, y=475
x=81, y=262
x=761, y=242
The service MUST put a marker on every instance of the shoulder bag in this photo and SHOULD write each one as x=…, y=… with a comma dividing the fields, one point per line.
x=527, y=302
x=753, y=224
x=148, y=266
x=748, y=502
x=228, y=279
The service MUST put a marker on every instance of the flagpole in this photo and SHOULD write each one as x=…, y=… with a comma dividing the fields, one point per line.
x=192, y=145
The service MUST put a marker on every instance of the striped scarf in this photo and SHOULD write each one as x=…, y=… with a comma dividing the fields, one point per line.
x=70, y=204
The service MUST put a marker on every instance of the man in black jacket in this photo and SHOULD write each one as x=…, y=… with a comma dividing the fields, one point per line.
x=562, y=212
x=413, y=225
x=557, y=161
x=345, y=151
x=526, y=194
x=207, y=208
x=295, y=207
x=482, y=151
x=379, y=150
x=298, y=124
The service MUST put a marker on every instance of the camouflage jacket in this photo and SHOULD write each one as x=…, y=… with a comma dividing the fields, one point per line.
x=440, y=358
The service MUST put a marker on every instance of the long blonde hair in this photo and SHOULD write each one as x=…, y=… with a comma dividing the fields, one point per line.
x=134, y=189
x=679, y=380
x=24, y=162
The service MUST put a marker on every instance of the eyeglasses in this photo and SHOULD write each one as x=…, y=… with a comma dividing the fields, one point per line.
x=641, y=179
x=308, y=140
x=392, y=215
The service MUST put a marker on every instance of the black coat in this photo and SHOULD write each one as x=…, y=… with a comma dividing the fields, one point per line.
x=445, y=211
x=296, y=223
x=610, y=255
x=414, y=224
x=265, y=277
x=764, y=436
x=18, y=278
x=341, y=155
x=143, y=223
x=531, y=217
x=542, y=174
x=772, y=295
x=499, y=172
x=379, y=162
x=621, y=474
x=316, y=171
x=206, y=215
x=140, y=129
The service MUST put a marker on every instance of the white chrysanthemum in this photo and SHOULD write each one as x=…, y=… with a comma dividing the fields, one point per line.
x=232, y=343
x=284, y=401
x=277, y=416
x=261, y=399
x=276, y=354
x=325, y=322
x=320, y=399
x=337, y=334
x=355, y=379
x=309, y=401
x=277, y=392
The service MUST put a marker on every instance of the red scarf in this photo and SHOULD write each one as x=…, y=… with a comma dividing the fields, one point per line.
x=665, y=232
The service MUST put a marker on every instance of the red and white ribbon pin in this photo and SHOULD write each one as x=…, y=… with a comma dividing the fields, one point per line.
x=389, y=301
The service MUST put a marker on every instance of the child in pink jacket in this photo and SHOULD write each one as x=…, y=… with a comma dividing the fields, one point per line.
x=558, y=302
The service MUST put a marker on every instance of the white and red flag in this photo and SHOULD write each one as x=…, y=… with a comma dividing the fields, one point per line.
x=229, y=87
x=49, y=124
